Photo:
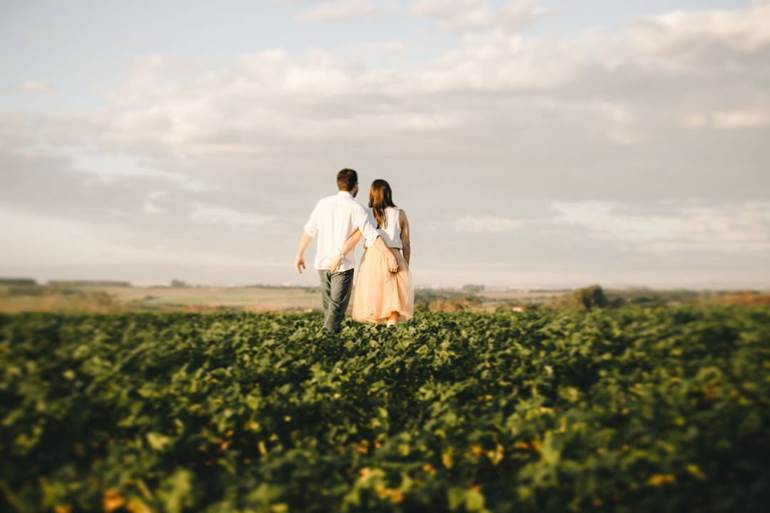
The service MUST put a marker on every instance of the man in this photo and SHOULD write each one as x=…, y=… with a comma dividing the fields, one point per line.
x=334, y=219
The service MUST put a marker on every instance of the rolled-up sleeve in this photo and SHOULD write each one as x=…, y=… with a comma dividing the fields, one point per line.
x=365, y=223
x=311, y=227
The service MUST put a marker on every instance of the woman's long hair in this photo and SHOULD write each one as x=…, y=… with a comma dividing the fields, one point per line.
x=380, y=198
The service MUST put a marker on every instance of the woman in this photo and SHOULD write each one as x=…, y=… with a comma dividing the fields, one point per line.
x=380, y=296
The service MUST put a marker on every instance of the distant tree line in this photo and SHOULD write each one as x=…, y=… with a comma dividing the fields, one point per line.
x=18, y=282
x=88, y=283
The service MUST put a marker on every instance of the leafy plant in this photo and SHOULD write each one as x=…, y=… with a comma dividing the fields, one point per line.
x=627, y=409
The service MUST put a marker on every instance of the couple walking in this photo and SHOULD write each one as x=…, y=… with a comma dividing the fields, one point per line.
x=383, y=290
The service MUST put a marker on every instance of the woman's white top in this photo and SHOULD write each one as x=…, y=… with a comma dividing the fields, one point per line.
x=391, y=234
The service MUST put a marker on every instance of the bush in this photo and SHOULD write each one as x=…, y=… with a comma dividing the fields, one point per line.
x=588, y=297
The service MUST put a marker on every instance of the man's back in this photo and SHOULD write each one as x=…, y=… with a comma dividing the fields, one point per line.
x=333, y=220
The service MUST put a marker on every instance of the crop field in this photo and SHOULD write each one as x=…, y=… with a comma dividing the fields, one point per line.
x=625, y=409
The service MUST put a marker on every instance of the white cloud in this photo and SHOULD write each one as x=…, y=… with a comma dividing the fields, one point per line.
x=218, y=214
x=620, y=127
x=459, y=15
x=738, y=228
x=472, y=15
x=151, y=202
x=345, y=10
x=732, y=119
x=683, y=34
x=34, y=86
x=743, y=118
x=268, y=99
x=693, y=120
x=488, y=224
x=90, y=249
x=104, y=168
x=498, y=61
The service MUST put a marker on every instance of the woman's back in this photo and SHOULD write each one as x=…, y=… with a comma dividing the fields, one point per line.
x=391, y=233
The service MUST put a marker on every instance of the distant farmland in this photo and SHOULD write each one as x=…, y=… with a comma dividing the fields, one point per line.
x=21, y=295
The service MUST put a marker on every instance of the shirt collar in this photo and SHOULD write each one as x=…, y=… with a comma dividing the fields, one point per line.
x=344, y=193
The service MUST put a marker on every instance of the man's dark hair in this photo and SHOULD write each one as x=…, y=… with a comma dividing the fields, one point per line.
x=347, y=179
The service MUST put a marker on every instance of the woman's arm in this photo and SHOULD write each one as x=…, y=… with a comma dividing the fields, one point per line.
x=349, y=246
x=405, y=240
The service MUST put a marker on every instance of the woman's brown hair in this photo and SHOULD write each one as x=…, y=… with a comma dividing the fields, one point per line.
x=380, y=198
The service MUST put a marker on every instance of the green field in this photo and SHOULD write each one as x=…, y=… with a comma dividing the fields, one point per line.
x=627, y=409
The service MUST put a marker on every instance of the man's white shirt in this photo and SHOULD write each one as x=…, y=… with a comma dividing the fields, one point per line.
x=334, y=219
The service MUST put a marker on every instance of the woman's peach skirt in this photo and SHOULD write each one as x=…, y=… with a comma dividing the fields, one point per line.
x=378, y=293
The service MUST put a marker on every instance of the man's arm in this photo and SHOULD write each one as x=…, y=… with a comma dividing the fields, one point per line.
x=304, y=242
x=349, y=246
x=309, y=231
x=365, y=223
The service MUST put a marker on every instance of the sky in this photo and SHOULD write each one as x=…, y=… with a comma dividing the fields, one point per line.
x=532, y=143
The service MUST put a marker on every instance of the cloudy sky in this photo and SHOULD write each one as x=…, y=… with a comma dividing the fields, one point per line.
x=533, y=143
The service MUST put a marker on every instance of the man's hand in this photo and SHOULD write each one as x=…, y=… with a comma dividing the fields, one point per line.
x=304, y=242
x=392, y=262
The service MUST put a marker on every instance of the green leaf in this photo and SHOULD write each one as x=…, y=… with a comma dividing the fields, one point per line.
x=158, y=441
